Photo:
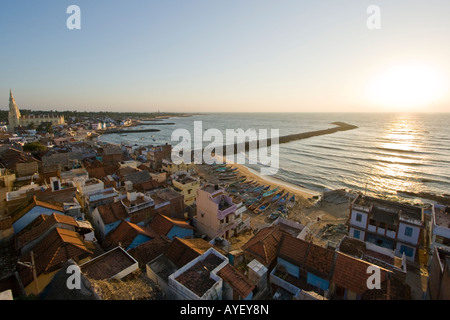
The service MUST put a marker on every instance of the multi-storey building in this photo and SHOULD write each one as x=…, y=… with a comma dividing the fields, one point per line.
x=388, y=224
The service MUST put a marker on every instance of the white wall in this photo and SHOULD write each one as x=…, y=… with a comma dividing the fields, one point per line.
x=413, y=239
x=363, y=223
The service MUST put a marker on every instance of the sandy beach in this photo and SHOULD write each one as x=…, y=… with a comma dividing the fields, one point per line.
x=320, y=217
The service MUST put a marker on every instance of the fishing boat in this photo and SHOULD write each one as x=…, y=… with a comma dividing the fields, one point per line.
x=270, y=192
x=261, y=208
x=283, y=199
x=227, y=177
x=291, y=202
x=258, y=189
x=255, y=205
x=274, y=215
x=237, y=182
x=277, y=196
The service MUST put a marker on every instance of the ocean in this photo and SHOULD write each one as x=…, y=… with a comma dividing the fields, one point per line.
x=388, y=152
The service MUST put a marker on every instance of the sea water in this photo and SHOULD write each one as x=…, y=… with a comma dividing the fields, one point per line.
x=386, y=154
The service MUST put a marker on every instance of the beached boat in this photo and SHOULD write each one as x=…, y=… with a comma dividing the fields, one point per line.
x=262, y=207
x=291, y=202
x=227, y=178
x=270, y=192
x=283, y=199
x=277, y=196
x=237, y=182
x=274, y=215
x=255, y=205
x=258, y=189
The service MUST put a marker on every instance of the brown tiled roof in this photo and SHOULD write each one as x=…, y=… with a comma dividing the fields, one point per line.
x=9, y=158
x=182, y=251
x=125, y=234
x=107, y=265
x=112, y=212
x=351, y=273
x=149, y=250
x=147, y=185
x=163, y=224
x=21, y=211
x=320, y=259
x=237, y=280
x=59, y=246
x=40, y=225
x=263, y=245
x=293, y=249
x=97, y=173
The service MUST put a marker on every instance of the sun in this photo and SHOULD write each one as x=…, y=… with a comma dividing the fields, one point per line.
x=407, y=87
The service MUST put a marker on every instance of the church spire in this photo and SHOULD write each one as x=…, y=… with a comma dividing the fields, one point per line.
x=14, y=113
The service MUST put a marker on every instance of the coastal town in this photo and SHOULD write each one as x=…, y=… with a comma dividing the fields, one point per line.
x=82, y=219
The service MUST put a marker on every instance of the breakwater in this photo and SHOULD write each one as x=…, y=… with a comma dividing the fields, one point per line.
x=125, y=131
x=340, y=126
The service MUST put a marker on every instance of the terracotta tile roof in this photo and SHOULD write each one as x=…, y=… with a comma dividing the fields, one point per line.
x=320, y=259
x=163, y=224
x=107, y=265
x=351, y=273
x=182, y=251
x=9, y=158
x=293, y=249
x=147, y=185
x=112, y=212
x=98, y=173
x=22, y=210
x=149, y=250
x=263, y=245
x=237, y=280
x=125, y=233
x=51, y=252
x=40, y=225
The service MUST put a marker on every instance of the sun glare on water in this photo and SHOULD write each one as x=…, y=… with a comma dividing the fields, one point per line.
x=408, y=87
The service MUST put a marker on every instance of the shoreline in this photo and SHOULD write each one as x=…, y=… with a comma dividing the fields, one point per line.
x=251, y=174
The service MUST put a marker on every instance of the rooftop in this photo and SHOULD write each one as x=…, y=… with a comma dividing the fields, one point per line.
x=197, y=277
x=108, y=265
x=383, y=208
x=442, y=216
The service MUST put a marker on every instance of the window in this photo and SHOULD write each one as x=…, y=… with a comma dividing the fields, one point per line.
x=358, y=217
x=356, y=234
x=408, y=251
x=408, y=231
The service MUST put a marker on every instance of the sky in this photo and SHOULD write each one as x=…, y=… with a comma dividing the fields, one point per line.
x=226, y=56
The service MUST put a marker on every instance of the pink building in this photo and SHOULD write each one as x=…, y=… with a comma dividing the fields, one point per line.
x=216, y=213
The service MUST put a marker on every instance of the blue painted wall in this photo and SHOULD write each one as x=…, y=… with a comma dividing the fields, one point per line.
x=292, y=269
x=138, y=240
x=28, y=217
x=179, y=232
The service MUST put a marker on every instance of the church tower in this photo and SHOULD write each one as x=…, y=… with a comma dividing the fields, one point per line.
x=14, y=113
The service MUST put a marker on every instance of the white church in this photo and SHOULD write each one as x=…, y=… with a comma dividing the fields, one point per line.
x=15, y=119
